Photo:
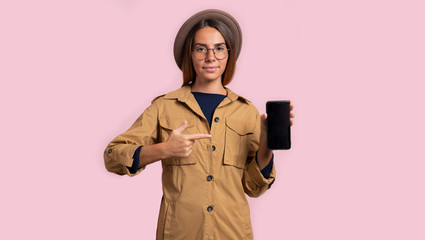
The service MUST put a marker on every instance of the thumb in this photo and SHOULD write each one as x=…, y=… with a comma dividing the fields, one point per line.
x=263, y=117
x=181, y=128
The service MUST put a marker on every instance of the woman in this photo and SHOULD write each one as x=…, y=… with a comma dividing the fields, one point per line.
x=211, y=141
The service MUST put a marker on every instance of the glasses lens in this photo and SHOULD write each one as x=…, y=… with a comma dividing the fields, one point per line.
x=200, y=52
x=220, y=52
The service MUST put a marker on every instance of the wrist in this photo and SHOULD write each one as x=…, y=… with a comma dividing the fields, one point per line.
x=164, y=150
x=264, y=156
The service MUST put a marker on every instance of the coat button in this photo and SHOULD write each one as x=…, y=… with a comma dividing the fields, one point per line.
x=216, y=119
x=213, y=148
x=109, y=150
x=209, y=208
x=209, y=178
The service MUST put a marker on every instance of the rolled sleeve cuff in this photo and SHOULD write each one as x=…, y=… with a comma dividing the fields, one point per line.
x=134, y=169
x=256, y=175
x=127, y=171
x=125, y=155
x=135, y=165
x=267, y=169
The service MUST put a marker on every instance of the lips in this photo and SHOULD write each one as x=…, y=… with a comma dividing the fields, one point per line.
x=210, y=69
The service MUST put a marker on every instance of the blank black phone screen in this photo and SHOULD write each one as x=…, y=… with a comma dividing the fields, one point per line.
x=278, y=125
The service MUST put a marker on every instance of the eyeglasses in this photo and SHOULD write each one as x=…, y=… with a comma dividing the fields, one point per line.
x=220, y=52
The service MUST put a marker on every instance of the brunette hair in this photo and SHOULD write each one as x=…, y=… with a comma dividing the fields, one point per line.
x=189, y=74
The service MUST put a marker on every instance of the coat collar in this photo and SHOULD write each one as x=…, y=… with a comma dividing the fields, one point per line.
x=184, y=94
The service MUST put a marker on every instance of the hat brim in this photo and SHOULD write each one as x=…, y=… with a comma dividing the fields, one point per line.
x=206, y=14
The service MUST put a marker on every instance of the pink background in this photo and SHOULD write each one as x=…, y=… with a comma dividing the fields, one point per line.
x=75, y=74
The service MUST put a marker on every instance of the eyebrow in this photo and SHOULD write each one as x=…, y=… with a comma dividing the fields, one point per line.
x=205, y=45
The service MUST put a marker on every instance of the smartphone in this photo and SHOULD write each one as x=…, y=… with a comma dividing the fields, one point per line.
x=278, y=125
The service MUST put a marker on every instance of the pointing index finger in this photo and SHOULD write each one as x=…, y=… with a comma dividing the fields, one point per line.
x=197, y=136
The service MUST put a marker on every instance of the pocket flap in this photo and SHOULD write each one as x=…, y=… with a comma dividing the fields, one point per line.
x=180, y=161
x=239, y=126
x=173, y=123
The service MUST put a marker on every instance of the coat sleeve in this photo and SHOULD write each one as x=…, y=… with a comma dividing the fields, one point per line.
x=118, y=155
x=253, y=181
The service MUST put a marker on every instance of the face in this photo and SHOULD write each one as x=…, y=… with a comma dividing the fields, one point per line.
x=210, y=68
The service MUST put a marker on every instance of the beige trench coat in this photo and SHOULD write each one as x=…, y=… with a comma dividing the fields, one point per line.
x=204, y=194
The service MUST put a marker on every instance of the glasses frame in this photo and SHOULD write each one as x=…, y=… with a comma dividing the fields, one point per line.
x=213, y=49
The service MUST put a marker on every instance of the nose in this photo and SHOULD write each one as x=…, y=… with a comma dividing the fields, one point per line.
x=210, y=55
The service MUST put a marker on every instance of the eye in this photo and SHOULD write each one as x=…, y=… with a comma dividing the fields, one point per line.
x=221, y=48
x=200, y=49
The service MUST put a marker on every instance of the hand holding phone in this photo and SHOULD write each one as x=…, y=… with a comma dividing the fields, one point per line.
x=278, y=125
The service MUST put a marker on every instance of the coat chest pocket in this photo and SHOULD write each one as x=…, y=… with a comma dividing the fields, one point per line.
x=166, y=126
x=237, y=141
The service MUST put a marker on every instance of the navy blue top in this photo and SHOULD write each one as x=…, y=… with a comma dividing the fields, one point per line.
x=208, y=103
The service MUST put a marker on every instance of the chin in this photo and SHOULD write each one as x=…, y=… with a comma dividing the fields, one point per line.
x=210, y=78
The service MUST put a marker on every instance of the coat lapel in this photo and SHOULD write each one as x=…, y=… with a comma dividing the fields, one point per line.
x=185, y=96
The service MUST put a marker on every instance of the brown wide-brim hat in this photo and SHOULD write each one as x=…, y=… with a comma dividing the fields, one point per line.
x=203, y=15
